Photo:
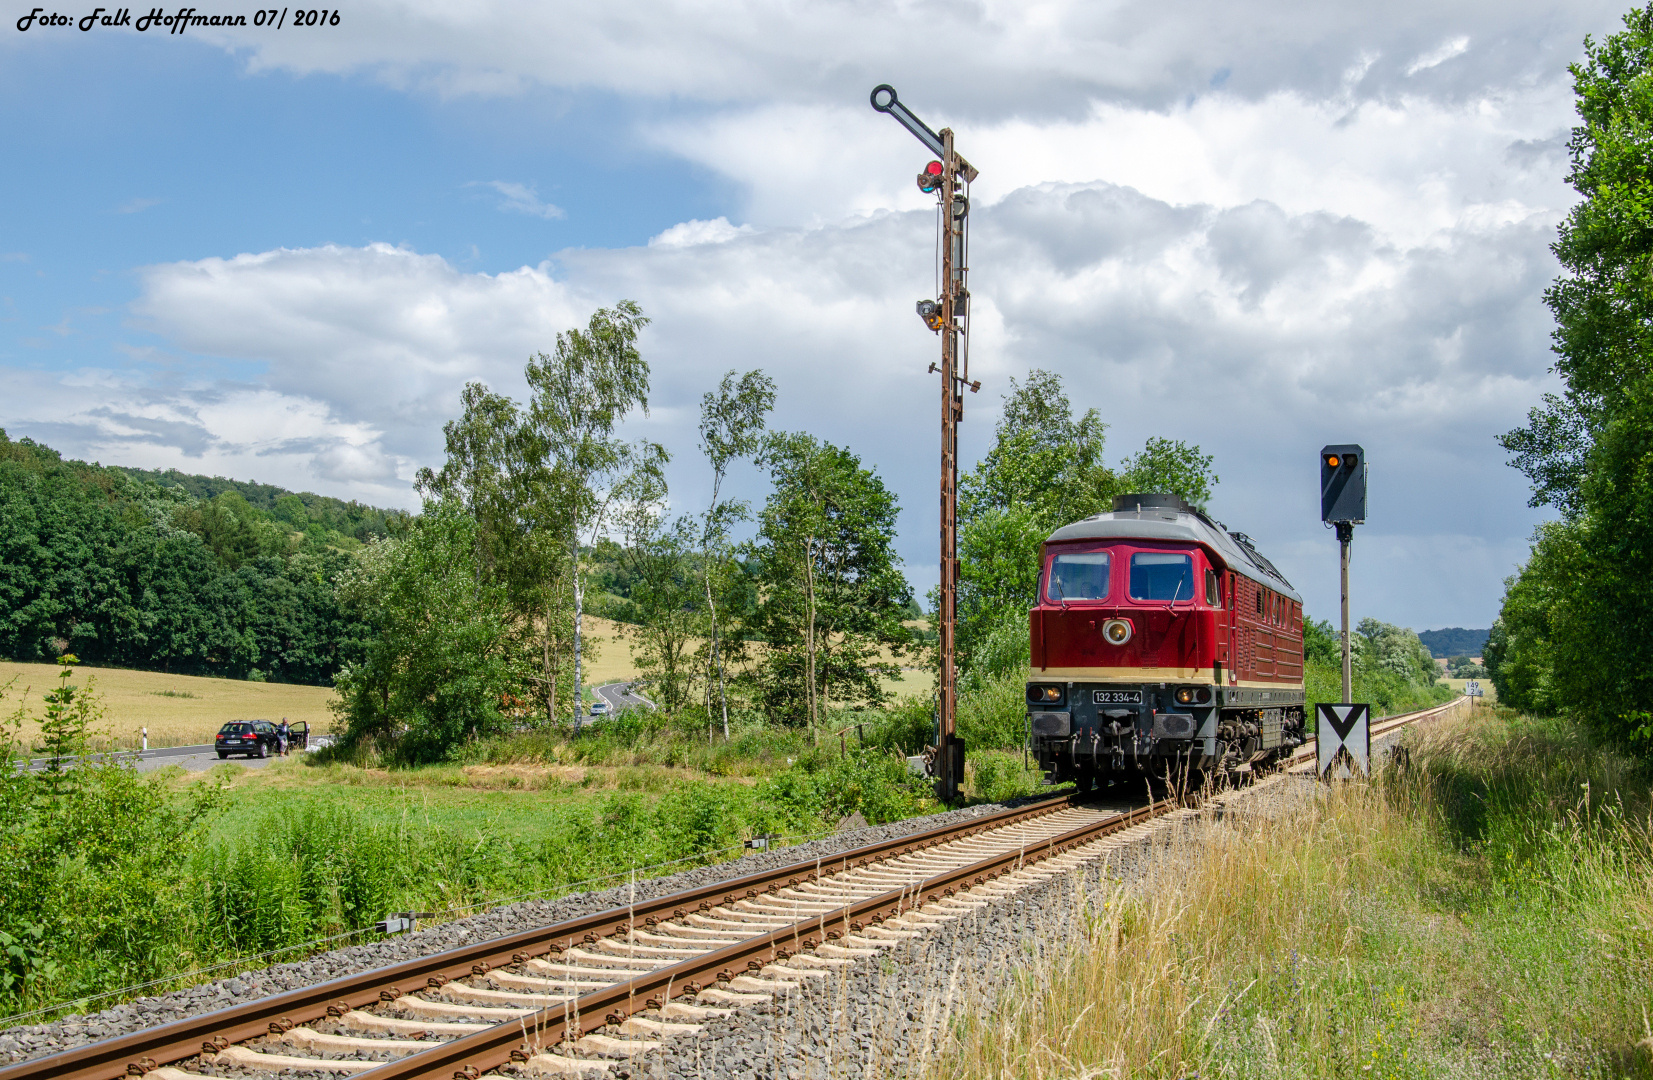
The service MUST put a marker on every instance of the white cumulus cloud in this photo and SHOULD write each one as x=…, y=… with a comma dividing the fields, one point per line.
x=1257, y=332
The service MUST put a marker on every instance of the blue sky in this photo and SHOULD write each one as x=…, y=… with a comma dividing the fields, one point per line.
x=1258, y=227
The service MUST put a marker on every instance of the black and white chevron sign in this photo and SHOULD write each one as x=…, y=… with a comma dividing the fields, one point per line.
x=1344, y=733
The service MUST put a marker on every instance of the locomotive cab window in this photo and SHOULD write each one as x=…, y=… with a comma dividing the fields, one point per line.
x=1213, y=593
x=1081, y=576
x=1162, y=575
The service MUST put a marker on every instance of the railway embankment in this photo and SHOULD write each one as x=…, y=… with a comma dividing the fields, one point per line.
x=1417, y=924
x=27, y=1041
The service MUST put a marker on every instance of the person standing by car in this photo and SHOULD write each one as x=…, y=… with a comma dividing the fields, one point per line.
x=284, y=734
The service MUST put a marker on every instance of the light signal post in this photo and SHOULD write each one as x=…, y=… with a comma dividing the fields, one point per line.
x=948, y=178
x=1343, y=506
x=1342, y=733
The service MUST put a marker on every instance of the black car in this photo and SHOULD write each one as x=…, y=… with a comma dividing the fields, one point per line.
x=255, y=738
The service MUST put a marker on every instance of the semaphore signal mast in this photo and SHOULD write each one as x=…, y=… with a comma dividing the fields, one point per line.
x=948, y=178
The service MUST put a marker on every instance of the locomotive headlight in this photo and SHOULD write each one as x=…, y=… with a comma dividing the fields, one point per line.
x=1185, y=695
x=1044, y=695
x=1116, y=631
x=1203, y=695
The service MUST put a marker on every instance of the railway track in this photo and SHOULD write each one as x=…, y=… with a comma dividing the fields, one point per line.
x=579, y=996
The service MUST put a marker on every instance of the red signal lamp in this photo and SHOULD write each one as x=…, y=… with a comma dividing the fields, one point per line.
x=933, y=168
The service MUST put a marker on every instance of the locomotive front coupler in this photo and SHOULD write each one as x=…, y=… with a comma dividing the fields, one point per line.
x=1116, y=720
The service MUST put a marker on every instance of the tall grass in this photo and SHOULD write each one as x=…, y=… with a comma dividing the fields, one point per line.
x=1486, y=912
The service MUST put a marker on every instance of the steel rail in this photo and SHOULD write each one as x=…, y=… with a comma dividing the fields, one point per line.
x=475, y=1054
x=180, y=1039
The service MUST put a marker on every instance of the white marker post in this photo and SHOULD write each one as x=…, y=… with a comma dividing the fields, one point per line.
x=1343, y=733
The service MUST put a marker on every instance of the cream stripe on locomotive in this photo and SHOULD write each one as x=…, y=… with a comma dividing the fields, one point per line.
x=1147, y=675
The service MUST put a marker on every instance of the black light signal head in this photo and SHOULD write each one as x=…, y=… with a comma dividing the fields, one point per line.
x=1342, y=483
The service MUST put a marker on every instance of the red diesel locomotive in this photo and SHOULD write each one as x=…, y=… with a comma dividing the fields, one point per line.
x=1161, y=644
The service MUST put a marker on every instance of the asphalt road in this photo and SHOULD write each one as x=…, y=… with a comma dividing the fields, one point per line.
x=192, y=758
x=622, y=695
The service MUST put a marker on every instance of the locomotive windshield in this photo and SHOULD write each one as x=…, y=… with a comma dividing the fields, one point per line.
x=1161, y=575
x=1079, y=577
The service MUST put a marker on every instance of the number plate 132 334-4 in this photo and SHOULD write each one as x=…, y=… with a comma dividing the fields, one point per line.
x=1116, y=697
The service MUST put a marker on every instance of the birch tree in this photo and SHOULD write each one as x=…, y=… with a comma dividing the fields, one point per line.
x=731, y=427
x=580, y=393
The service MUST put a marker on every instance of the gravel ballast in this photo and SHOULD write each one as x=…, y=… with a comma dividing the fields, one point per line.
x=885, y=1013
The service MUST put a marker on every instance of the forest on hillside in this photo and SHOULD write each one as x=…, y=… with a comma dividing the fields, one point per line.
x=1453, y=641
x=171, y=572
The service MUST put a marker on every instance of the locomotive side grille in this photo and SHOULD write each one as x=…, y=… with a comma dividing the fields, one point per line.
x=1271, y=728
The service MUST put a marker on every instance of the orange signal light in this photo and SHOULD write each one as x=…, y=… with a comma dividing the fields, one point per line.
x=1332, y=461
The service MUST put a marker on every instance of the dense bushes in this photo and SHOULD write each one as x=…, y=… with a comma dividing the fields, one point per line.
x=92, y=881
x=441, y=668
x=114, y=884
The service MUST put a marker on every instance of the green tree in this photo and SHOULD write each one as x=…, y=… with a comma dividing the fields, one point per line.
x=1043, y=460
x=66, y=724
x=497, y=471
x=1589, y=450
x=1386, y=647
x=731, y=427
x=440, y=669
x=1321, y=642
x=1169, y=465
x=832, y=592
x=593, y=378
x=478, y=471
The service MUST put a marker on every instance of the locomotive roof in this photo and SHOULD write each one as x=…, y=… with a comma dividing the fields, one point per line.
x=1187, y=526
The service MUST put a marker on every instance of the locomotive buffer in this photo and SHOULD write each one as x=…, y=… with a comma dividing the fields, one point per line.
x=1343, y=732
x=948, y=178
